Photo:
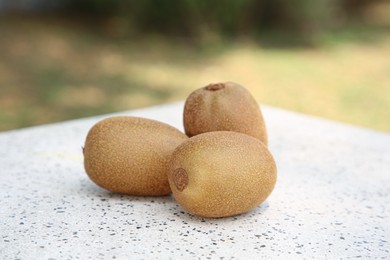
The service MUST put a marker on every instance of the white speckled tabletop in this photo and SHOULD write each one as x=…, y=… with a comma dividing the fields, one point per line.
x=331, y=201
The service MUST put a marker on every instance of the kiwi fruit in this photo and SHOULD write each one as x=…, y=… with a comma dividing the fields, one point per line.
x=130, y=155
x=223, y=107
x=221, y=173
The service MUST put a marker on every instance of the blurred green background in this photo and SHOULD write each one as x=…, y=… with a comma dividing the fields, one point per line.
x=69, y=59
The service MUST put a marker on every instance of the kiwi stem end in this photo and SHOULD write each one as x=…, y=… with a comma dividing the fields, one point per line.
x=180, y=178
x=215, y=86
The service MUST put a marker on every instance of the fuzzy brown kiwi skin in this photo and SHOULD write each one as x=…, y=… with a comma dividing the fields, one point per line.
x=130, y=155
x=223, y=107
x=222, y=173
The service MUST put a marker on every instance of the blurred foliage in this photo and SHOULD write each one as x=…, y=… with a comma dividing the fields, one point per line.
x=228, y=17
x=82, y=58
x=56, y=68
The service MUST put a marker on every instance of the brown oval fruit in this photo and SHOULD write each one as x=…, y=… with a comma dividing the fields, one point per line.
x=130, y=155
x=224, y=107
x=219, y=174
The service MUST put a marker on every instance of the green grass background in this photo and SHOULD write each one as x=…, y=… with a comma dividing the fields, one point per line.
x=53, y=70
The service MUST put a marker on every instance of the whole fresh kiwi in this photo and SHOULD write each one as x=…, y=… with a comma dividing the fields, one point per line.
x=222, y=173
x=223, y=107
x=130, y=155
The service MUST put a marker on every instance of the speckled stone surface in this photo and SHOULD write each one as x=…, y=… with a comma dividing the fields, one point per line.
x=331, y=201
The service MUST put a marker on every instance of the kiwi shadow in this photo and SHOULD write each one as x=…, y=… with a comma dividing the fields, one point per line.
x=191, y=218
x=94, y=192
